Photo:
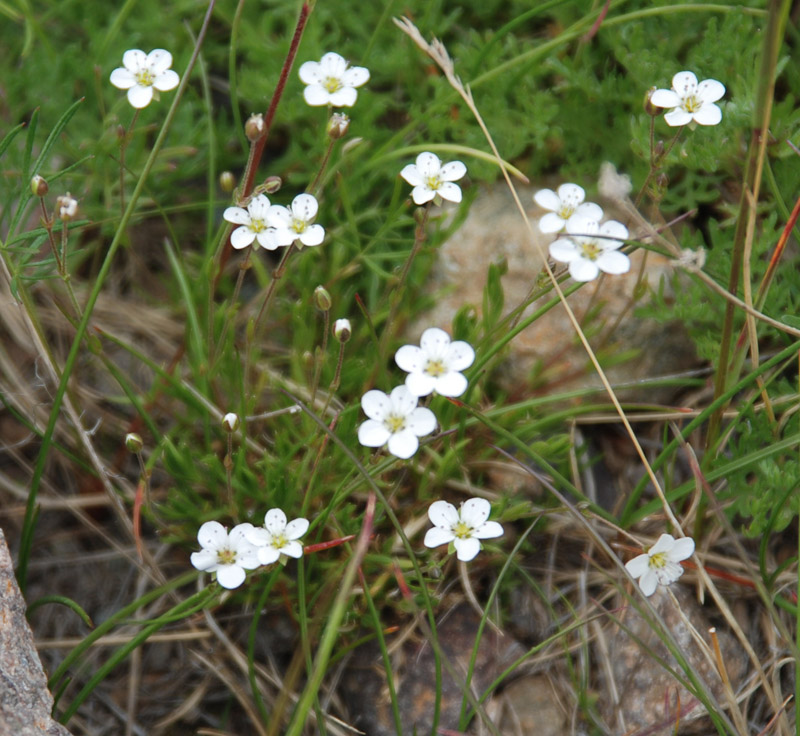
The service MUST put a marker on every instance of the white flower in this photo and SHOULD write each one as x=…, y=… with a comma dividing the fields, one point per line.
x=659, y=565
x=565, y=204
x=295, y=223
x=429, y=178
x=435, y=365
x=690, y=100
x=255, y=224
x=228, y=555
x=463, y=527
x=395, y=421
x=342, y=330
x=330, y=82
x=141, y=73
x=67, y=207
x=591, y=248
x=277, y=538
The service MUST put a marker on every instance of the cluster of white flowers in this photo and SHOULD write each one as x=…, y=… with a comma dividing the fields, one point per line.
x=247, y=547
x=274, y=226
x=395, y=420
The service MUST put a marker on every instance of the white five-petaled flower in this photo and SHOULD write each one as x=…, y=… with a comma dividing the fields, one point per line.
x=395, y=421
x=228, y=555
x=564, y=205
x=142, y=73
x=429, y=178
x=464, y=527
x=690, y=101
x=436, y=364
x=295, y=222
x=276, y=537
x=254, y=224
x=591, y=248
x=330, y=81
x=660, y=564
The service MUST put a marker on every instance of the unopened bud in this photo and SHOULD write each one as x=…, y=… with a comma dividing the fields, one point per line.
x=39, y=186
x=133, y=442
x=322, y=298
x=230, y=422
x=227, y=181
x=67, y=207
x=658, y=151
x=254, y=127
x=272, y=184
x=338, y=125
x=649, y=107
x=342, y=330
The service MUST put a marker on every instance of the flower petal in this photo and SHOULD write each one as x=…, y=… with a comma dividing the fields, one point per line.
x=230, y=576
x=316, y=95
x=403, y=401
x=333, y=65
x=710, y=90
x=547, y=199
x=409, y=358
x=158, y=61
x=166, y=81
x=475, y=511
x=268, y=239
x=134, y=59
x=436, y=536
x=355, y=76
x=443, y=514
x=258, y=536
x=242, y=236
x=212, y=535
x=237, y=215
x=564, y=250
x=420, y=384
x=614, y=262
x=268, y=555
x=140, y=96
x=664, y=544
x=278, y=216
x=589, y=210
x=550, y=223
x=296, y=528
x=459, y=355
x=205, y=559
x=376, y=404
x=275, y=521
x=665, y=98
x=449, y=191
x=305, y=207
x=683, y=549
x=403, y=444
x=648, y=582
x=422, y=195
x=582, y=269
x=421, y=421
x=292, y=549
x=684, y=83
x=428, y=164
x=638, y=565
x=450, y=384
x=571, y=195
x=373, y=433
x=310, y=72
x=434, y=342
x=613, y=229
x=453, y=171
x=489, y=530
x=677, y=117
x=122, y=78
x=313, y=235
x=411, y=174
x=467, y=549
x=238, y=535
x=709, y=114
x=344, y=97
x=259, y=207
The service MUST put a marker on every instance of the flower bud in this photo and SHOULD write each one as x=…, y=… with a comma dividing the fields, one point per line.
x=67, y=207
x=254, y=127
x=133, y=442
x=342, y=330
x=649, y=107
x=39, y=186
x=272, y=184
x=338, y=125
x=227, y=181
x=322, y=298
x=230, y=422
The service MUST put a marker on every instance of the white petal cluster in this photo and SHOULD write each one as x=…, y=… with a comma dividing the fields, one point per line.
x=463, y=527
x=274, y=226
x=590, y=248
x=395, y=420
x=565, y=204
x=277, y=537
x=331, y=82
x=690, y=101
x=436, y=364
x=142, y=73
x=660, y=565
x=430, y=178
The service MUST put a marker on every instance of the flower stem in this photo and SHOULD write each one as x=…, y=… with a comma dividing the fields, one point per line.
x=123, y=145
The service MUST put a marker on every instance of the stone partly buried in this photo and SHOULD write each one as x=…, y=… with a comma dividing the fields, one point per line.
x=548, y=350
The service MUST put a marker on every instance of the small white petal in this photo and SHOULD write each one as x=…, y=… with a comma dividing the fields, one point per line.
x=305, y=207
x=489, y=530
x=122, y=78
x=421, y=421
x=677, y=117
x=230, y=576
x=159, y=60
x=242, y=236
x=344, y=97
x=333, y=64
x=258, y=536
x=683, y=549
x=451, y=384
x=140, y=96
x=310, y=72
x=313, y=235
x=648, y=582
x=355, y=76
x=550, y=223
x=205, y=559
x=166, y=81
x=259, y=207
x=547, y=199
x=428, y=164
x=411, y=174
x=589, y=211
x=443, y=514
x=709, y=114
x=375, y=404
x=665, y=98
x=449, y=191
x=638, y=565
x=467, y=549
x=238, y=534
x=684, y=81
x=212, y=535
x=613, y=229
x=664, y=544
x=420, y=384
x=237, y=215
x=475, y=511
x=316, y=95
x=403, y=401
x=583, y=270
x=613, y=262
x=275, y=521
x=434, y=341
x=296, y=528
x=564, y=250
x=268, y=555
x=403, y=444
x=436, y=536
x=710, y=90
x=453, y=171
x=422, y=195
x=292, y=549
x=459, y=355
x=267, y=239
x=373, y=433
x=410, y=358
x=134, y=59
x=571, y=194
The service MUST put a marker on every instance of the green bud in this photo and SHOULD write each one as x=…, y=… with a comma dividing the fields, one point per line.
x=133, y=442
x=338, y=125
x=322, y=298
x=227, y=181
x=254, y=127
x=39, y=186
x=230, y=422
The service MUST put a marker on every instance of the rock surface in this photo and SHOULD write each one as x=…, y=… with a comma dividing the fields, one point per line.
x=648, y=696
x=25, y=702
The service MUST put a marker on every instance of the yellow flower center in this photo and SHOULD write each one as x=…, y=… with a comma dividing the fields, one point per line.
x=462, y=530
x=145, y=78
x=332, y=84
x=591, y=250
x=658, y=560
x=435, y=368
x=434, y=183
x=395, y=423
x=299, y=226
x=226, y=556
x=566, y=211
x=257, y=225
x=692, y=104
x=279, y=541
